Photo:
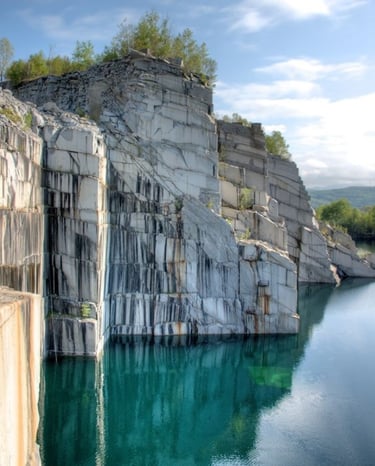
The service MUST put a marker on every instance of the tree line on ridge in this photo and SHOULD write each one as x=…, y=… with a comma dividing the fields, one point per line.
x=152, y=33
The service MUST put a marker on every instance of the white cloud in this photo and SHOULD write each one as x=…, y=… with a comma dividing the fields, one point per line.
x=277, y=100
x=269, y=128
x=315, y=163
x=343, y=140
x=301, y=10
x=275, y=89
x=332, y=140
x=249, y=18
x=309, y=8
x=310, y=69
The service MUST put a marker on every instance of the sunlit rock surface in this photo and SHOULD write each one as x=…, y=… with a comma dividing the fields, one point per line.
x=344, y=255
x=264, y=198
x=76, y=224
x=21, y=343
x=126, y=209
x=159, y=220
x=172, y=264
x=21, y=203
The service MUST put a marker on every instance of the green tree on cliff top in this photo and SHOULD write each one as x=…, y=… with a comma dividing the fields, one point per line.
x=276, y=145
x=83, y=55
x=154, y=34
x=275, y=142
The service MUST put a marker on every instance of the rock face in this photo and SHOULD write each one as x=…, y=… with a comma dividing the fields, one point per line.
x=265, y=199
x=21, y=338
x=158, y=220
x=74, y=186
x=148, y=218
x=145, y=203
x=343, y=253
x=21, y=268
x=21, y=203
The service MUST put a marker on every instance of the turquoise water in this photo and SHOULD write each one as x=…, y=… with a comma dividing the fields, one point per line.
x=292, y=400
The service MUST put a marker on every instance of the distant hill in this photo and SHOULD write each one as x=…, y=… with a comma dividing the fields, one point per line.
x=358, y=196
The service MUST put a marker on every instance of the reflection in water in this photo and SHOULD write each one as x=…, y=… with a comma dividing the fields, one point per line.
x=164, y=403
x=191, y=403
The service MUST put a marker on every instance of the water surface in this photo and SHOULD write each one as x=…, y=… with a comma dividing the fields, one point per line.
x=287, y=400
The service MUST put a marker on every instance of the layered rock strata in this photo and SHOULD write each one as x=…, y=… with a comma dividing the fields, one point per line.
x=74, y=184
x=148, y=217
x=265, y=199
x=158, y=220
x=21, y=203
x=343, y=252
x=148, y=210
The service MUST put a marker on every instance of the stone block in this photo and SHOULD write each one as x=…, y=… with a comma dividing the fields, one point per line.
x=76, y=163
x=88, y=194
x=72, y=337
x=74, y=140
x=229, y=194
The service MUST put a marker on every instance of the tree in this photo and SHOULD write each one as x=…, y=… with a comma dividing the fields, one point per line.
x=37, y=65
x=276, y=145
x=34, y=67
x=120, y=44
x=150, y=33
x=83, y=55
x=341, y=214
x=154, y=34
x=6, y=54
x=195, y=57
x=336, y=213
x=59, y=65
x=17, y=72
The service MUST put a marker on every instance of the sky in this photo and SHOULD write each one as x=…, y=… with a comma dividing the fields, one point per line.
x=303, y=67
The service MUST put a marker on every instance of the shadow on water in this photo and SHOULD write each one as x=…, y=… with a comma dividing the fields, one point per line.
x=167, y=403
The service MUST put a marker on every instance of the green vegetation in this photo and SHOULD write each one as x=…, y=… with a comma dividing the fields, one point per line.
x=275, y=142
x=85, y=310
x=38, y=65
x=83, y=55
x=236, y=118
x=152, y=33
x=246, y=235
x=276, y=145
x=246, y=199
x=28, y=119
x=358, y=196
x=24, y=121
x=360, y=224
x=178, y=203
x=11, y=115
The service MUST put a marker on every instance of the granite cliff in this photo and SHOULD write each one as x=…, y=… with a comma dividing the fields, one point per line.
x=135, y=212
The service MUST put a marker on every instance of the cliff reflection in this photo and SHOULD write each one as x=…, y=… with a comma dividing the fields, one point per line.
x=167, y=403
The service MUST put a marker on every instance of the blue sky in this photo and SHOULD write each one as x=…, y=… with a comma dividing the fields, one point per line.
x=305, y=67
